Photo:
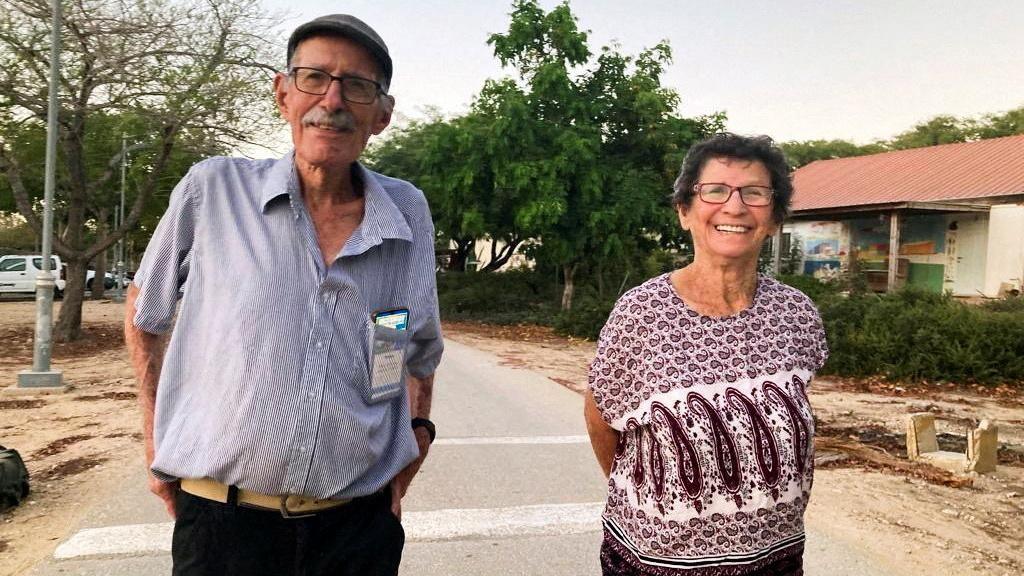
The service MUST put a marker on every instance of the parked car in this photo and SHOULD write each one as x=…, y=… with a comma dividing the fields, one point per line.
x=109, y=280
x=18, y=273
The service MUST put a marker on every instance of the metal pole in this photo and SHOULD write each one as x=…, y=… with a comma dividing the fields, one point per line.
x=120, y=243
x=41, y=376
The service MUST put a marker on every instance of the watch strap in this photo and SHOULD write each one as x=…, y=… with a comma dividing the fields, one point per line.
x=423, y=422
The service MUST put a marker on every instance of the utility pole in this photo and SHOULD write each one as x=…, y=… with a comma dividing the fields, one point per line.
x=120, y=243
x=41, y=377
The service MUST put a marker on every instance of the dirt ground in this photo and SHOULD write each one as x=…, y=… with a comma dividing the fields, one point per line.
x=913, y=519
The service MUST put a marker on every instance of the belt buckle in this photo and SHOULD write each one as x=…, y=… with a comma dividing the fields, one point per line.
x=286, y=513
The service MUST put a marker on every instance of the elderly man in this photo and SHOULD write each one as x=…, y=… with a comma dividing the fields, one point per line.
x=288, y=415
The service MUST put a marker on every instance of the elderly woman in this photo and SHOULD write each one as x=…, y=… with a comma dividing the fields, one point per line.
x=697, y=408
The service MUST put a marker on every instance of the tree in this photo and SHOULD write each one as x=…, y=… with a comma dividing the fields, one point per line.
x=176, y=75
x=803, y=153
x=593, y=144
x=1008, y=123
x=938, y=130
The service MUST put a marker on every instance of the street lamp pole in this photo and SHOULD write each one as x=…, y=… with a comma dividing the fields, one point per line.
x=120, y=243
x=41, y=376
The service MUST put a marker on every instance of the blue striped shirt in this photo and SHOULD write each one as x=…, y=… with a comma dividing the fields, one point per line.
x=262, y=382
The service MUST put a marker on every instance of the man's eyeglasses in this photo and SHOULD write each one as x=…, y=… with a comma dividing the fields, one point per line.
x=353, y=88
x=718, y=193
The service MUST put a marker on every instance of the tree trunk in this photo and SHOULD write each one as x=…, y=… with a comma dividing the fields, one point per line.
x=463, y=248
x=69, y=321
x=99, y=279
x=568, y=273
x=500, y=258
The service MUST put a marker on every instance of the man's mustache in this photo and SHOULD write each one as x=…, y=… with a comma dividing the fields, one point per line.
x=340, y=120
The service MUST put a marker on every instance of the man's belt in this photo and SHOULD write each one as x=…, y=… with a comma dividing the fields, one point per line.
x=289, y=505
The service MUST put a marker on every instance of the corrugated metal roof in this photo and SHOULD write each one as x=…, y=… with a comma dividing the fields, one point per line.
x=949, y=172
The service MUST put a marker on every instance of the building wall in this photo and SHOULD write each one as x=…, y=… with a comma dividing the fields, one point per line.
x=966, y=254
x=1005, y=248
x=932, y=256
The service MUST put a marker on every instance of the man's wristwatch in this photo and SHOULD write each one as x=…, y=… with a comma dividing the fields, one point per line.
x=431, y=430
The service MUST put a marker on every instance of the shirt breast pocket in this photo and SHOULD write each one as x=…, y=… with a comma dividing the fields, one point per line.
x=388, y=349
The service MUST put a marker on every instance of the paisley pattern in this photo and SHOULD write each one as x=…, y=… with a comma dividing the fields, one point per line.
x=714, y=464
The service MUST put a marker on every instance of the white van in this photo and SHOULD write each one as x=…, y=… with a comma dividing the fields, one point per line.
x=18, y=273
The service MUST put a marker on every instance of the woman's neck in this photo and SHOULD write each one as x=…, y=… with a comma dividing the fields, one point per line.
x=716, y=290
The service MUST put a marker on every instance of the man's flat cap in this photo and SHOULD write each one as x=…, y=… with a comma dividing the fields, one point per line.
x=349, y=27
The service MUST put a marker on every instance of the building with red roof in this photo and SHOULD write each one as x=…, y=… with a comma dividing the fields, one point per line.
x=953, y=214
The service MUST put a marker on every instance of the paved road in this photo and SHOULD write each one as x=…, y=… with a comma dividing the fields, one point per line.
x=510, y=488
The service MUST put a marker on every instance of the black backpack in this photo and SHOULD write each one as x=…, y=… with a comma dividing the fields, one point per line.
x=13, y=478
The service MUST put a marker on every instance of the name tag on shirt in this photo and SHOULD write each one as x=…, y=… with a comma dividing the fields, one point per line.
x=388, y=348
x=397, y=319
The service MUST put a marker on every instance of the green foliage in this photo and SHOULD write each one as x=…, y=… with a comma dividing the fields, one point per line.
x=942, y=129
x=585, y=319
x=511, y=297
x=917, y=335
x=573, y=156
x=802, y=153
x=815, y=289
x=1009, y=305
x=938, y=130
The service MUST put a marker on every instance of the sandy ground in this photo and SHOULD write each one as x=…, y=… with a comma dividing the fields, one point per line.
x=911, y=518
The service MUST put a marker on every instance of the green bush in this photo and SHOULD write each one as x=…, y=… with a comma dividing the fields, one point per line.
x=513, y=297
x=1011, y=304
x=585, y=319
x=917, y=335
x=815, y=289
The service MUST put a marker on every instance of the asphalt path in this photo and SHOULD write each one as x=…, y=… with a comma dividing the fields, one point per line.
x=510, y=488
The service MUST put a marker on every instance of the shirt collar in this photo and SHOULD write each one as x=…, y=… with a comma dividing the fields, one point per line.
x=381, y=218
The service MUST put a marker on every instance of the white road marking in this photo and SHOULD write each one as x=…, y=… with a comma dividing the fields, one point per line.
x=484, y=440
x=431, y=525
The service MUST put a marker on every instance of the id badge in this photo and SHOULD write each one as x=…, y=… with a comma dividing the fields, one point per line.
x=387, y=356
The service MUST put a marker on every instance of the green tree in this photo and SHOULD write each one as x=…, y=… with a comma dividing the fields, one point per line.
x=175, y=75
x=938, y=130
x=802, y=153
x=440, y=157
x=1008, y=123
x=590, y=145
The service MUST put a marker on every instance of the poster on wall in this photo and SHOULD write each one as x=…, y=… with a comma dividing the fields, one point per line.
x=825, y=249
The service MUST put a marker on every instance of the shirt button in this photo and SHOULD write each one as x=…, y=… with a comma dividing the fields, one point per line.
x=319, y=344
x=302, y=449
x=326, y=298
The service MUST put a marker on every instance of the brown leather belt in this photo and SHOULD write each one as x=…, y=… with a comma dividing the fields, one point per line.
x=289, y=505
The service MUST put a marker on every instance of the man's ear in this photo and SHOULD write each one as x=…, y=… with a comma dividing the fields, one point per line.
x=385, y=109
x=280, y=91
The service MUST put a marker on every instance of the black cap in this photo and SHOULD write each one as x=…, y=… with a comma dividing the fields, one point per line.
x=349, y=27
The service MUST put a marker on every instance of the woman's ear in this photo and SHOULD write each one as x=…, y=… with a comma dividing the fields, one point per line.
x=682, y=213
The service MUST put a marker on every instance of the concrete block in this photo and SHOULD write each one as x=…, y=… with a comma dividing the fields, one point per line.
x=982, y=447
x=953, y=461
x=921, y=435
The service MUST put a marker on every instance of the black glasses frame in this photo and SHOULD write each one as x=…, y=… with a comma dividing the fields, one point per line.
x=732, y=190
x=341, y=80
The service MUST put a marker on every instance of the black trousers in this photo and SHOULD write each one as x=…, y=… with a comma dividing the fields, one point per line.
x=360, y=538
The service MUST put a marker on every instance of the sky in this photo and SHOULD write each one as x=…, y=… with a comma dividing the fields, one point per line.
x=793, y=69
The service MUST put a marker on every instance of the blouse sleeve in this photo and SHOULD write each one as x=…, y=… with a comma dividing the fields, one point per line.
x=818, y=349
x=611, y=372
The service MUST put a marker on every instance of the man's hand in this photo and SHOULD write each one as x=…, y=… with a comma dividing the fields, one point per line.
x=400, y=484
x=166, y=492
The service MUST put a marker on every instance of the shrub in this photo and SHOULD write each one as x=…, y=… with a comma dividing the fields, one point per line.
x=917, y=335
x=513, y=297
x=585, y=319
x=815, y=289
